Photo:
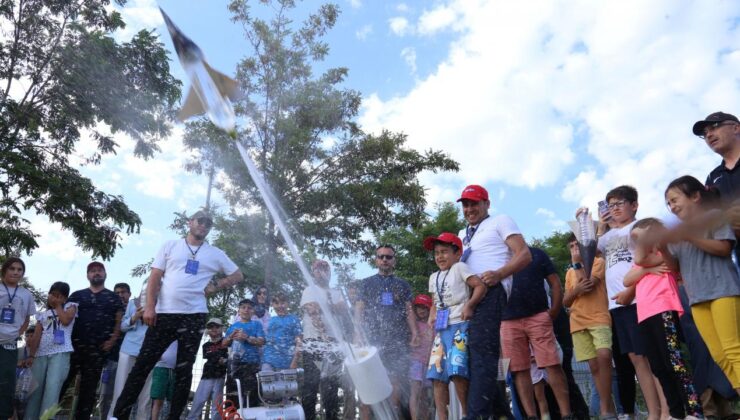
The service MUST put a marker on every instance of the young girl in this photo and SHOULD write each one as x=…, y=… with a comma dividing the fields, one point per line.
x=51, y=346
x=711, y=279
x=418, y=399
x=658, y=311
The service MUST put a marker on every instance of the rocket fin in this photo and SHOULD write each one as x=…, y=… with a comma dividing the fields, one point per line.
x=192, y=106
x=226, y=85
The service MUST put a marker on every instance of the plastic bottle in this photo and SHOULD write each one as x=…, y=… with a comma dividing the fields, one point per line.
x=23, y=385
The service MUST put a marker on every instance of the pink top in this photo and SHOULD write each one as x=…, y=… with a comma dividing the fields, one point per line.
x=424, y=349
x=656, y=294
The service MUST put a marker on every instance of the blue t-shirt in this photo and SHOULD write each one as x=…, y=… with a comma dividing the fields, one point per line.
x=528, y=295
x=249, y=353
x=280, y=346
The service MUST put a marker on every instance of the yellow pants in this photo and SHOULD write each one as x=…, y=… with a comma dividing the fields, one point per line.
x=718, y=322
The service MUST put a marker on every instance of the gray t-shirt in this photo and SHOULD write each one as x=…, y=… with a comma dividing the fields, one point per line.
x=707, y=277
x=24, y=307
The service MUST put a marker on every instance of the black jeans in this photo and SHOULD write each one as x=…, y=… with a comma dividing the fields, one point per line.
x=247, y=375
x=314, y=384
x=87, y=360
x=187, y=329
x=625, y=376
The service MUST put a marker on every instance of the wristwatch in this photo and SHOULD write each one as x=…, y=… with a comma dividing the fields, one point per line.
x=576, y=266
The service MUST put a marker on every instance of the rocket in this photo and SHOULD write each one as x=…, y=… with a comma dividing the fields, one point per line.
x=210, y=92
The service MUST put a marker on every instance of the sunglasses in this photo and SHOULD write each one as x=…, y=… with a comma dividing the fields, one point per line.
x=384, y=257
x=204, y=221
x=712, y=127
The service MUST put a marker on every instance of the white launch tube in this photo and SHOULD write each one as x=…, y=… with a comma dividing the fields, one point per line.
x=369, y=375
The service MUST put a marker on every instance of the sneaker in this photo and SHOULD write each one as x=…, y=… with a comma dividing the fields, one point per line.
x=625, y=416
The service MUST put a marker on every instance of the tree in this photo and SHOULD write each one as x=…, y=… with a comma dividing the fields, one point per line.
x=336, y=182
x=556, y=246
x=413, y=262
x=61, y=74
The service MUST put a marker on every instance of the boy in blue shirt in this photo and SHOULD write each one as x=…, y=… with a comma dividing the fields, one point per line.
x=244, y=337
x=283, y=337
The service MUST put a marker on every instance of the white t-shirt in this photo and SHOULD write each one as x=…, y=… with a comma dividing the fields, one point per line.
x=183, y=293
x=169, y=357
x=455, y=291
x=488, y=247
x=618, y=251
x=318, y=295
x=47, y=320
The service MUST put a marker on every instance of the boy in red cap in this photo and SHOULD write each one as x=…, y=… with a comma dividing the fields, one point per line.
x=418, y=399
x=453, y=307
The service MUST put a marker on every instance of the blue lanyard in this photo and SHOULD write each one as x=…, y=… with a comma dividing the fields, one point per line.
x=10, y=298
x=470, y=231
x=440, y=291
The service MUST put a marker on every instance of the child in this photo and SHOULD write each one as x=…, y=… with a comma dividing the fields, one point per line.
x=51, y=345
x=658, y=311
x=283, y=337
x=163, y=379
x=710, y=277
x=590, y=323
x=245, y=337
x=17, y=307
x=211, y=384
x=453, y=307
x=418, y=404
x=616, y=247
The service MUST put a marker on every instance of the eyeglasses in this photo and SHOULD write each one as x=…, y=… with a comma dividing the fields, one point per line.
x=613, y=205
x=204, y=221
x=385, y=257
x=713, y=126
x=261, y=292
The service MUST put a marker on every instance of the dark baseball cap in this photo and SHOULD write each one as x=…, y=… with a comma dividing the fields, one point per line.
x=95, y=264
x=716, y=117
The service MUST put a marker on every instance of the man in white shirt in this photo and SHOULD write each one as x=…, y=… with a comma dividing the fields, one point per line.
x=176, y=309
x=494, y=249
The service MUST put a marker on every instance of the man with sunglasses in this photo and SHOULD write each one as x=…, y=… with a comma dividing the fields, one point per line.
x=494, y=249
x=182, y=275
x=384, y=308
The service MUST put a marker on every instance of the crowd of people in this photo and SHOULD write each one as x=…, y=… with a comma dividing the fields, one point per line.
x=493, y=299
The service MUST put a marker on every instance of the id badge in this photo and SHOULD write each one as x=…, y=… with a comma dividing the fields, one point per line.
x=7, y=316
x=191, y=267
x=386, y=299
x=443, y=317
x=465, y=255
x=58, y=337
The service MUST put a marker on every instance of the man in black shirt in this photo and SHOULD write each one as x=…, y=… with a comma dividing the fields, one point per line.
x=215, y=353
x=94, y=334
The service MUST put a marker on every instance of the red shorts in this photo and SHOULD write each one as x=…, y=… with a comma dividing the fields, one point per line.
x=518, y=334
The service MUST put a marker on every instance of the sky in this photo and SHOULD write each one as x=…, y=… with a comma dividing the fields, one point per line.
x=548, y=104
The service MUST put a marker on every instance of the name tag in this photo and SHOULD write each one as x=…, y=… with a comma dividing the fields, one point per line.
x=58, y=337
x=191, y=267
x=386, y=298
x=465, y=255
x=7, y=316
x=443, y=318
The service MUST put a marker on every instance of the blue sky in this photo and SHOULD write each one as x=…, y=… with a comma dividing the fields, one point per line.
x=548, y=104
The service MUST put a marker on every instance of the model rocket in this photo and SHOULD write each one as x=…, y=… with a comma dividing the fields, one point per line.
x=210, y=92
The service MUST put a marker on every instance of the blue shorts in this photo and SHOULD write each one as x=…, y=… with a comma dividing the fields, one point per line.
x=449, y=353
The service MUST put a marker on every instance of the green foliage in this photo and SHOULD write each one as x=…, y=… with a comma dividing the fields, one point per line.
x=413, y=262
x=335, y=182
x=63, y=76
x=556, y=246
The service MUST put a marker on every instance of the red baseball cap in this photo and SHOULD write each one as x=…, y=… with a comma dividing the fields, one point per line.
x=423, y=300
x=444, y=237
x=474, y=193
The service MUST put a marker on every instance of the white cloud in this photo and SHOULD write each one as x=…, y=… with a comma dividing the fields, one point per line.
x=438, y=19
x=402, y=7
x=138, y=15
x=364, y=32
x=399, y=25
x=409, y=56
x=550, y=218
x=522, y=102
x=356, y=4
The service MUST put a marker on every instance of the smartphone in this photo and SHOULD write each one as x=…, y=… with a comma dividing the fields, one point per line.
x=604, y=210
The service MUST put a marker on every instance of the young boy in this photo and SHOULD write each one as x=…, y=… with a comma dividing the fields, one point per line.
x=453, y=307
x=211, y=385
x=163, y=379
x=590, y=323
x=283, y=337
x=617, y=249
x=245, y=337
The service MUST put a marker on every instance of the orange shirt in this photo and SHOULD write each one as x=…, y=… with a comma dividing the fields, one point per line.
x=590, y=309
